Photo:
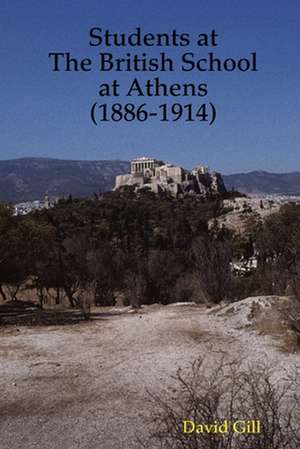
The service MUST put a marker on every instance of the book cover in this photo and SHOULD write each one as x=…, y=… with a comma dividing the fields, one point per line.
x=149, y=224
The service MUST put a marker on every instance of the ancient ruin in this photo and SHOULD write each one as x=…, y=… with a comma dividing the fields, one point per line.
x=159, y=177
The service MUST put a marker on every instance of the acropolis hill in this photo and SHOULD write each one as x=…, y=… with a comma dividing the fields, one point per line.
x=162, y=177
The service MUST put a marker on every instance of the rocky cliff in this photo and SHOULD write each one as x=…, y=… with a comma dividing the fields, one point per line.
x=171, y=179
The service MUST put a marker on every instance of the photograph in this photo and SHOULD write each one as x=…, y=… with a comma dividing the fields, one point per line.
x=149, y=224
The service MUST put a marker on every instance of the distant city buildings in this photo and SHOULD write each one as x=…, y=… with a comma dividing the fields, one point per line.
x=28, y=206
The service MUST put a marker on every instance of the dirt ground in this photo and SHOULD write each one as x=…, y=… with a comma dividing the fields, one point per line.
x=85, y=385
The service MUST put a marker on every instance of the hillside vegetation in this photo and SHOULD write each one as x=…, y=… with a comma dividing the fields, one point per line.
x=147, y=248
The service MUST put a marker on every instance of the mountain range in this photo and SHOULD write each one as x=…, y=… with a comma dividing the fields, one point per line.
x=263, y=182
x=28, y=179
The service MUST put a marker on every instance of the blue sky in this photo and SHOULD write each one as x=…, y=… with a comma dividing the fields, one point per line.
x=47, y=114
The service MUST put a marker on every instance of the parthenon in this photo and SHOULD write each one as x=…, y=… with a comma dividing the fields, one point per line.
x=145, y=165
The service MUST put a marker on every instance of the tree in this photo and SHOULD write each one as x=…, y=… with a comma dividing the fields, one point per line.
x=278, y=247
x=13, y=254
x=210, y=258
